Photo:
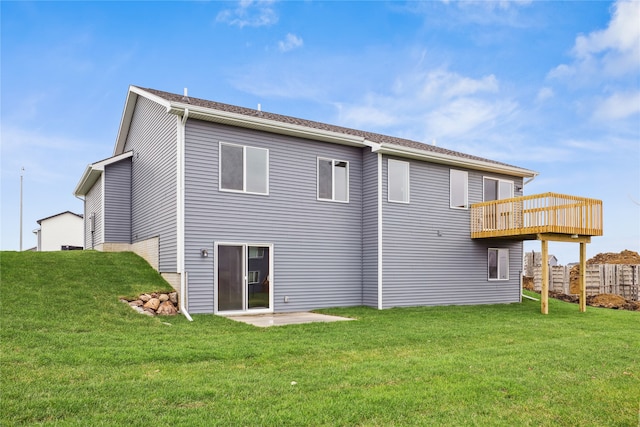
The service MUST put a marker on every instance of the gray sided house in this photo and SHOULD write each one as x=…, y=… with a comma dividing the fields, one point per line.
x=248, y=211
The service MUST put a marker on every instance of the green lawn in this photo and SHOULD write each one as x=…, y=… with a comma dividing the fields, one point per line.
x=72, y=354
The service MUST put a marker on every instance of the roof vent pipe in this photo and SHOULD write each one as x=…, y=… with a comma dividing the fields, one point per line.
x=185, y=97
x=259, y=107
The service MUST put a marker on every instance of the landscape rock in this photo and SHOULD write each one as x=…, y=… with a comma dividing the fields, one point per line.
x=173, y=297
x=166, y=309
x=153, y=304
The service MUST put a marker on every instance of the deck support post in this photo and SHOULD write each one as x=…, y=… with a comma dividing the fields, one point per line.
x=544, y=294
x=583, y=277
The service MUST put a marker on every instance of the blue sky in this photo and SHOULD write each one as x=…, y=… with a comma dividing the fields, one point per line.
x=549, y=86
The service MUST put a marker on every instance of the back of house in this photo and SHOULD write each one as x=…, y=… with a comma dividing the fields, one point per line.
x=248, y=211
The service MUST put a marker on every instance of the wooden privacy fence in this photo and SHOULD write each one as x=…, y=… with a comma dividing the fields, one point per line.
x=619, y=279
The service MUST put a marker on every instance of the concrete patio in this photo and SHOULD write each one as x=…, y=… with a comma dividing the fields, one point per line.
x=281, y=319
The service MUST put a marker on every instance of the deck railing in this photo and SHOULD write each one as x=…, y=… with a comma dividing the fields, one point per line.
x=540, y=213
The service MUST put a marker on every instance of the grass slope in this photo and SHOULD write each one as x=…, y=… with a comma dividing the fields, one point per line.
x=72, y=354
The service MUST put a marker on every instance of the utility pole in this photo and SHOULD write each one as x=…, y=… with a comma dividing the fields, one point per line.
x=21, y=176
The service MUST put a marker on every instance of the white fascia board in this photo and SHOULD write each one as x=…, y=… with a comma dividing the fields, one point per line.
x=448, y=159
x=127, y=114
x=93, y=172
x=267, y=125
x=82, y=183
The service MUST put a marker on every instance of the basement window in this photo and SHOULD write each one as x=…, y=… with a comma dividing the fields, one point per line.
x=498, y=264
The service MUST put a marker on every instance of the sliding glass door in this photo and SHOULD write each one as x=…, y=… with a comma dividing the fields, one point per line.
x=243, y=277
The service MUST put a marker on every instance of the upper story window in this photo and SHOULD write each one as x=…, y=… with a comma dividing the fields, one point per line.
x=458, y=189
x=498, y=264
x=333, y=180
x=244, y=169
x=398, y=181
x=497, y=189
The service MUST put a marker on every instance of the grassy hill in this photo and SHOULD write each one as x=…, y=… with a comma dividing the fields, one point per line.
x=72, y=354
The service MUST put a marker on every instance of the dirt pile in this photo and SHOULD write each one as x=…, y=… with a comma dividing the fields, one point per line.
x=602, y=300
x=624, y=257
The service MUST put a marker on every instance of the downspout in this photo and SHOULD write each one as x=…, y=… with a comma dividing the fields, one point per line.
x=183, y=274
x=380, y=258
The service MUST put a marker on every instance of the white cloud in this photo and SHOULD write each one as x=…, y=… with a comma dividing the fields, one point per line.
x=249, y=13
x=612, y=52
x=464, y=116
x=620, y=105
x=290, y=42
x=544, y=94
x=438, y=103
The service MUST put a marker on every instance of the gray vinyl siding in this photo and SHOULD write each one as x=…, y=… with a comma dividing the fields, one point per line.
x=93, y=206
x=370, y=228
x=152, y=137
x=428, y=255
x=117, y=202
x=317, y=244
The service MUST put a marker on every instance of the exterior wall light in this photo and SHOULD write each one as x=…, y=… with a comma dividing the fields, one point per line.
x=204, y=253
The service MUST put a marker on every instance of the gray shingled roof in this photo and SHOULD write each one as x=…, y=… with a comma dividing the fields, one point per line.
x=370, y=136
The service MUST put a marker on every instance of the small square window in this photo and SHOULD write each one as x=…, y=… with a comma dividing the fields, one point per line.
x=244, y=169
x=497, y=189
x=333, y=180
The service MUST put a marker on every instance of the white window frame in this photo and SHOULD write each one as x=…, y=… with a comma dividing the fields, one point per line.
x=498, y=264
x=333, y=180
x=253, y=277
x=466, y=189
x=244, y=169
x=500, y=180
x=407, y=179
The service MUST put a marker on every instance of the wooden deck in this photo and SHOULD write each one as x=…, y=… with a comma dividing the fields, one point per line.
x=545, y=217
x=529, y=217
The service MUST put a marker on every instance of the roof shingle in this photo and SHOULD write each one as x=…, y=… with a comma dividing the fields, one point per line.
x=370, y=136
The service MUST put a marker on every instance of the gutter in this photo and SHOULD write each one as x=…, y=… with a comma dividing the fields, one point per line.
x=269, y=125
x=448, y=159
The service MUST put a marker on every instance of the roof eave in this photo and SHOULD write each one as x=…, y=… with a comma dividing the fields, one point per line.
x=268, y=125
x=86, y=181
x=447, y=159
x=93, y=172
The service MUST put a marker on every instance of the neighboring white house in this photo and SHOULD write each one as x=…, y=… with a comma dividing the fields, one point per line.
x=61, y=231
